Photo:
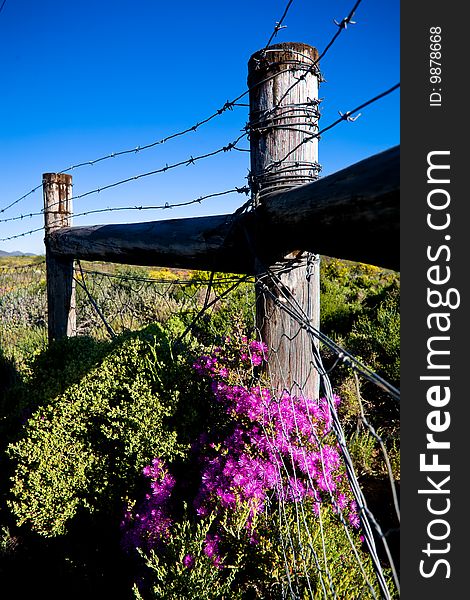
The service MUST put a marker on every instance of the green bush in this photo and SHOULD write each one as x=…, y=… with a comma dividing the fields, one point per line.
x=22, y=313
x=232, y=310
x=360, y=307
x=376, y=333
x=345, y=289
x=83, y=450
x=256, y=551
x=171, y=579
x=375, y=340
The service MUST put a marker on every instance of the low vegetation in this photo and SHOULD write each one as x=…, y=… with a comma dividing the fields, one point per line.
x=128, y=463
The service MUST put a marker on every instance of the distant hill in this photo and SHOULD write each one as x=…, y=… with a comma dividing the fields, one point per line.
x=15, y=253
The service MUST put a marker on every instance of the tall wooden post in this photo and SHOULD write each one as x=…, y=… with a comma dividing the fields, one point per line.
x=57, y=189
x=283, y=83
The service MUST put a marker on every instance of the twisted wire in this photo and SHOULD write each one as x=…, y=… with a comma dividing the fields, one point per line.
x=167, y=205
x=347, y=116
x=279, y=25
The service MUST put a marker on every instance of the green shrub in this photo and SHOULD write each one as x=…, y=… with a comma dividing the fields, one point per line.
x=239, y=511
x=83, y=450
x=376, y=333
x=233, y=310
x=172, y=579
x=375, y=341
x=98, y=412
x=361, y=310
x=22, y=313
x=345, y=288
x=296, y=550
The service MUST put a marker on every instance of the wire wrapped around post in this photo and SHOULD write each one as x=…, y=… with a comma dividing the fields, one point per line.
x=283, y=81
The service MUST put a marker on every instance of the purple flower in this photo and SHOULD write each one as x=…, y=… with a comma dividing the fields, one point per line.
x=211, y=549
x=354, y=520
x=271, y=447
x=188, y=561
x=151, y=523
x=296, y=490
x=342, y=501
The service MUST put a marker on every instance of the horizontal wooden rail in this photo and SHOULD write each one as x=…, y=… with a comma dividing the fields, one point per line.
x=352, y=214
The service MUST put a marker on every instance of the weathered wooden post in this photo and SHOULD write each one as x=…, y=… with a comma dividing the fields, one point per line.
x=283, y=83
x=57, y=189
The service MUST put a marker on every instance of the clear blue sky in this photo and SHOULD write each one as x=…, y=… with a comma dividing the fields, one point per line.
x=87, y=78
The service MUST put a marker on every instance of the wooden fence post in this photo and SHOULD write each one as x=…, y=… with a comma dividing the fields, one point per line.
x=61, y=317
x=283, y=83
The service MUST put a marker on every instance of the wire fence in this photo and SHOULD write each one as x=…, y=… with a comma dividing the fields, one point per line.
x=129, y=298
x=374, y=537
x=110, y=298
x=308, y=136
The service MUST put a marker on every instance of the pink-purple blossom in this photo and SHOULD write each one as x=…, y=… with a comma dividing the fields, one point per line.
x=272, y=447
x=188, y=561
x=149, y=526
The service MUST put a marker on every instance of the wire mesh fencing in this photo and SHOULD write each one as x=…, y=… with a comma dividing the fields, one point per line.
x=317, y=457
x=317, y=469
x=112, y=299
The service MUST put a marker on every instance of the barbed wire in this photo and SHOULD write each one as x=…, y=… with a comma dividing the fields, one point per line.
x=167, y=205
x=20, y=235
x=279, y=25
x=168, y=167
x=186, y=162
x=314, y=68
x=21, y=198
x=239, y=190
x=342, y=25
x=292, y=539
x=347, y=116
x=287, y=302
x=228, y=105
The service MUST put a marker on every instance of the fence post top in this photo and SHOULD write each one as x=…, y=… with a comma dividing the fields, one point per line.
x=64, y=178
x=278, y=56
